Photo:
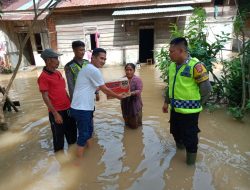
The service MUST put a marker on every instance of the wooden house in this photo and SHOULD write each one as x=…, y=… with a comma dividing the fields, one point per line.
x=130, y=30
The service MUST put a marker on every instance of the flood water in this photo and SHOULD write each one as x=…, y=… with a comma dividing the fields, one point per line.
x=121, y=158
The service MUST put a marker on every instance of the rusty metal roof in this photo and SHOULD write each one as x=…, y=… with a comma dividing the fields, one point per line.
x=21, y=5
x=22, y=9
x=86, y=3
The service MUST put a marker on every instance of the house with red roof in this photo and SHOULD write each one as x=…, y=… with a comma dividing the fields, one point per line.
x=130, y=30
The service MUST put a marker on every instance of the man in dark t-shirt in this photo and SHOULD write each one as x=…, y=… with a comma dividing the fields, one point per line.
x=52, y=86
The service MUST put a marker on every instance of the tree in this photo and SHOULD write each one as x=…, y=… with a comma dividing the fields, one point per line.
x=0, y=7
x=243, y=9
x=199, y=47
x=37, y=12
x=233, y=87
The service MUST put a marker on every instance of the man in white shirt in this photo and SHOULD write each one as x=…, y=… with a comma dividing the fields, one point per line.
x=83, y=102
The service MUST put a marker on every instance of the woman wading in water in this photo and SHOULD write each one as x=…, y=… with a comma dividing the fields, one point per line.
x=132, y=105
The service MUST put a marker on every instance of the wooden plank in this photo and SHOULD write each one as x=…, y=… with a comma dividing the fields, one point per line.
x=118, y=35
x=67, y=43
x=69, y=23
x=101, y=29
x=68, y=33
x=69, y=29
x=162, y=37
x=121, y=39
x=118, y=43
x=69, y=37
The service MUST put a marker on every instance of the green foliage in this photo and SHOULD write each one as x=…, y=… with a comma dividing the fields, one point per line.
x=236, y=112
x=239, y=22
x=232, y=81
x=198, y=46
x=196, y=36
x=246, y=53
x=212, y=107
x=244, y=4
x=5, y=70
x=196, y=26
x=229, y=86
x=163, y=58
x=248, y=105
x=175, y=32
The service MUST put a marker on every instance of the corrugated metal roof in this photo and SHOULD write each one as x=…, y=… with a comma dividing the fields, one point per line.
x=22, y=9
x=26, y=6
x=22, y=5
x=80, y=3
x=46, y=3
x=21, y=16
x=152, y=10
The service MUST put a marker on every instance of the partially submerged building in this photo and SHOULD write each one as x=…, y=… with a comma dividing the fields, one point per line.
x=130, y=30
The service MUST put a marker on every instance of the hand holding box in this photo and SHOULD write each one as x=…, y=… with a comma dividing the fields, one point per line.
x=120, y=86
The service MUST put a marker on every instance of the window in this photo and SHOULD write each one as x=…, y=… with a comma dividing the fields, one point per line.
x=91, y=37
x=93, y=41
x=218, y=2
x=38, y=41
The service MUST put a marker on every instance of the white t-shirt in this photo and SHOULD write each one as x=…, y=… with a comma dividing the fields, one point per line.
x=88, y=79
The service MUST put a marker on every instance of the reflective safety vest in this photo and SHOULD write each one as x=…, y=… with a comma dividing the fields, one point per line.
x=75, y=68
x=184, y=92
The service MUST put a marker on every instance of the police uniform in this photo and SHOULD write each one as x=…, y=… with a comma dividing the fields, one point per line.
x=184, y=97
x=71, y=71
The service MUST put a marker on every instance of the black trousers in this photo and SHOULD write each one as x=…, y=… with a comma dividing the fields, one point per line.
x=184, y=128
x=67, y=129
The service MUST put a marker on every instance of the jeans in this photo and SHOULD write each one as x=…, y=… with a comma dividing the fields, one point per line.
x=84, y=124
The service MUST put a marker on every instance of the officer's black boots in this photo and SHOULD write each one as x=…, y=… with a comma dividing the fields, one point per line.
x=191, y=158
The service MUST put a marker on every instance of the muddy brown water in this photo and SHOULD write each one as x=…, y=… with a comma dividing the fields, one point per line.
x=142, y=159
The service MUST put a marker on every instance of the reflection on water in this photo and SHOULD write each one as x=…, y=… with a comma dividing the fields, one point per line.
x=121, y=158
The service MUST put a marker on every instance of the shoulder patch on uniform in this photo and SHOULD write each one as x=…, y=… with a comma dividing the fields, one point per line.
x=199, y=67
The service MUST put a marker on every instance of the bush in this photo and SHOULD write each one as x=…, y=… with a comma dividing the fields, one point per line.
x=232, y=81
x=5, y=70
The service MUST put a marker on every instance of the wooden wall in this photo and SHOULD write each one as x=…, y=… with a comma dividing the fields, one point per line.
x=14, y=31
x=119, y=38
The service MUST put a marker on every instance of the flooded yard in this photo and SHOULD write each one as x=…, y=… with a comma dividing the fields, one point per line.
x=121, y=158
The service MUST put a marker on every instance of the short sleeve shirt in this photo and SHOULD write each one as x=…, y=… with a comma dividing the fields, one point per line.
x=54, y=84
x=88, y=80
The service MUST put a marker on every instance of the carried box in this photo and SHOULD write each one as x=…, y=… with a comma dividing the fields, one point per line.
x=120, y=86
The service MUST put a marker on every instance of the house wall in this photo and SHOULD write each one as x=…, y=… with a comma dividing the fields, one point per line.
x=119, y=38
x=15, y=31
x=3, y=47
x=10, y=40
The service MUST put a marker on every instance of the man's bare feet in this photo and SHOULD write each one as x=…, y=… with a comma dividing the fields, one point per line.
x=79, y=151
x=90, y=142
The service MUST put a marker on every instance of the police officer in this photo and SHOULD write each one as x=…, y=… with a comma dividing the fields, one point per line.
x=75, y=65
x=188, y=88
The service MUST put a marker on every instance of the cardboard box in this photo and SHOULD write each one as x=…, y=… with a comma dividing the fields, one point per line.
x=120, y=86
